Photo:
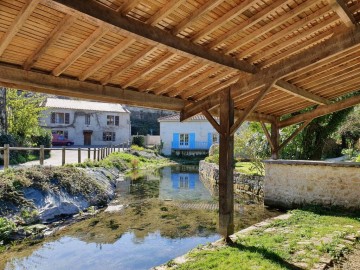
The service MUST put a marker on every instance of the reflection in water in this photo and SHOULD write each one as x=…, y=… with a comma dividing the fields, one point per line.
x=166, y=213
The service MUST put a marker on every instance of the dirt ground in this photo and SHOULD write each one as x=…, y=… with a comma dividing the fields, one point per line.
x=350, y=262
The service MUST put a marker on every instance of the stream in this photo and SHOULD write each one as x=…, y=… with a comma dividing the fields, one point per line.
x=162, y=215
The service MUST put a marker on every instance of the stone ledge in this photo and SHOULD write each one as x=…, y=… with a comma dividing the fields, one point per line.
x=313, y=163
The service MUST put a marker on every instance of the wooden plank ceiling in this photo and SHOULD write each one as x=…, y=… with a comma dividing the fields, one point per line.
x=279, y=56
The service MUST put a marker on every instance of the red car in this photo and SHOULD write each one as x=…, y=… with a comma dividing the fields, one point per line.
x=58, y=139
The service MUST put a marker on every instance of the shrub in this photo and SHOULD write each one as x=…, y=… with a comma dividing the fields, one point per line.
x=6, y=228
x=358, y=158
x=136, y=147
x=139, y=140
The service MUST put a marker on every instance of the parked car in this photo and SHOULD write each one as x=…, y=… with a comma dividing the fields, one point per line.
x=58, y=139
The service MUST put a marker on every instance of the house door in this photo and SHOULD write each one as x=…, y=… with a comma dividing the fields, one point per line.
x=87, y=137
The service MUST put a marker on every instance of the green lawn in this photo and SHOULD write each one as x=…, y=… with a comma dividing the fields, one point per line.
x=247, y=168
x=303, y=240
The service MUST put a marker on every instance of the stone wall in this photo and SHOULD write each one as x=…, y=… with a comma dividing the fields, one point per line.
x=290, y=184
x=209, y=175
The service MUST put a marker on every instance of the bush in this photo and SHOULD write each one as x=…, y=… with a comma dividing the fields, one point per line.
x=6, y=228
x=358, y=158
x=139, y=141
x=213, y=159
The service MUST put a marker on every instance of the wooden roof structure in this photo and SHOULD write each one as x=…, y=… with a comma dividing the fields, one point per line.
x=279, y=56
x=243, y=60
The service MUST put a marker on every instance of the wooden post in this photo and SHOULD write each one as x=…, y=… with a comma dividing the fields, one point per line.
x=42, y=155
x=98, y=156
x=226, y=157
x=89, y=155
x=6, y=156
x=63, y=156
x=79, y=155
x=102, y=152
x=94, y=154
x=275, y=138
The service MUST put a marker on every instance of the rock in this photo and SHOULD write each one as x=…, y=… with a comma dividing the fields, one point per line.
x=114, y=208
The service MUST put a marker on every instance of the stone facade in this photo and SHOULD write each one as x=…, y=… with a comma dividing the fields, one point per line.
x=209, y=175
x=290, y=184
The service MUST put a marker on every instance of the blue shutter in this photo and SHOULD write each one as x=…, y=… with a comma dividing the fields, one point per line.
x=192, y=140
x=175, y=180
x=175, y=142
x=192, y=180
x=209, y=139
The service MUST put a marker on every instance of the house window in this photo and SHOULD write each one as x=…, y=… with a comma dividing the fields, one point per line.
x=215, y=138
x=87, y=119
x=184, y=139
x=108, y=136
x=184, y=181
x=60, y=118
x=112, y=120
x=61, y=133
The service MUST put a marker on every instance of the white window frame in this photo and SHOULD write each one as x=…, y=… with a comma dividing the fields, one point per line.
x=184, y=140
x=87, y=119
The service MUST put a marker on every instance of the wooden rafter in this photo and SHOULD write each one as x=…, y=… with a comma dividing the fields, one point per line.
x=297, y=91
x=251, y=107
x=34, y=81
x=247, y=24
x=54, y=36
x=210, y=4
x=267, y=134
x=270, y=26
x=280, y=34
x=127, y=6
x=79, y=51
x=178, y=79
x=169, y=7
x=320, y=111
x=294, y=134
x=343, y=12
x=153, y=34
x=130, y=63
x=148, y=69
x=15, y=27
x=231, y=14
x=122, y=46
x=163, y=75
x=212, y=121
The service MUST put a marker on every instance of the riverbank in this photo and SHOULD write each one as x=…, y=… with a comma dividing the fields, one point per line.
x=302, y=239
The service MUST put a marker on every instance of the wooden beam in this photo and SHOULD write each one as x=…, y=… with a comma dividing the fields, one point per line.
x=226, y=170
x=267, y=134
x=295, y=133
x=39, y=82
x=114, y=52
x=54, y=36
x=275, y=137
x=209, y=5
x=299, y=92
x=154, y=34
x=79, y=51
x=132, y=62
x=166, y=9
x=320, y=111
x=16, y=25
x=320, y=53
x=231, y=14
x=127, y=6
x=149, y=69
x=212, y=121
x=343, y=12
x=251, y=108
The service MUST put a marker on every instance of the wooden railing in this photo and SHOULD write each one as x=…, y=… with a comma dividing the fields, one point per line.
x=95, y=153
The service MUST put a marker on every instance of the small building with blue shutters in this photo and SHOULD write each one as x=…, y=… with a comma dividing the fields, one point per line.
x=191, y=137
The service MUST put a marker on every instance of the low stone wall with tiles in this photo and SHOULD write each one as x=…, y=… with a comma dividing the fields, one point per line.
x=290, y=184
x=209, y=175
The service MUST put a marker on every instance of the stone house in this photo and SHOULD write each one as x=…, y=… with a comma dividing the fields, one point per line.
x=86, y=122
x=191, y=137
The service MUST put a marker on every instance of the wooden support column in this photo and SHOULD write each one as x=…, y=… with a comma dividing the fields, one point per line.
x=275, y=138
x=226, y=185
x=42, y=155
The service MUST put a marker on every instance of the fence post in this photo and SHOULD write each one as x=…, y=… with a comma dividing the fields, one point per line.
x=89, y=153
x=6, y=156
x=98, y=156
x=102, y=153
x=79, y=155
x=42, y=155
x=63, y=156
x=94, y=154
x=119, y=148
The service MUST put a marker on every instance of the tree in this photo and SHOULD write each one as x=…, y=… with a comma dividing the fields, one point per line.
x=23, y=114
x=350, y=129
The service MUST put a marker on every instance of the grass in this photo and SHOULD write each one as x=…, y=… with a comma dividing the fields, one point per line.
x=304, y=238
x=247, y=168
